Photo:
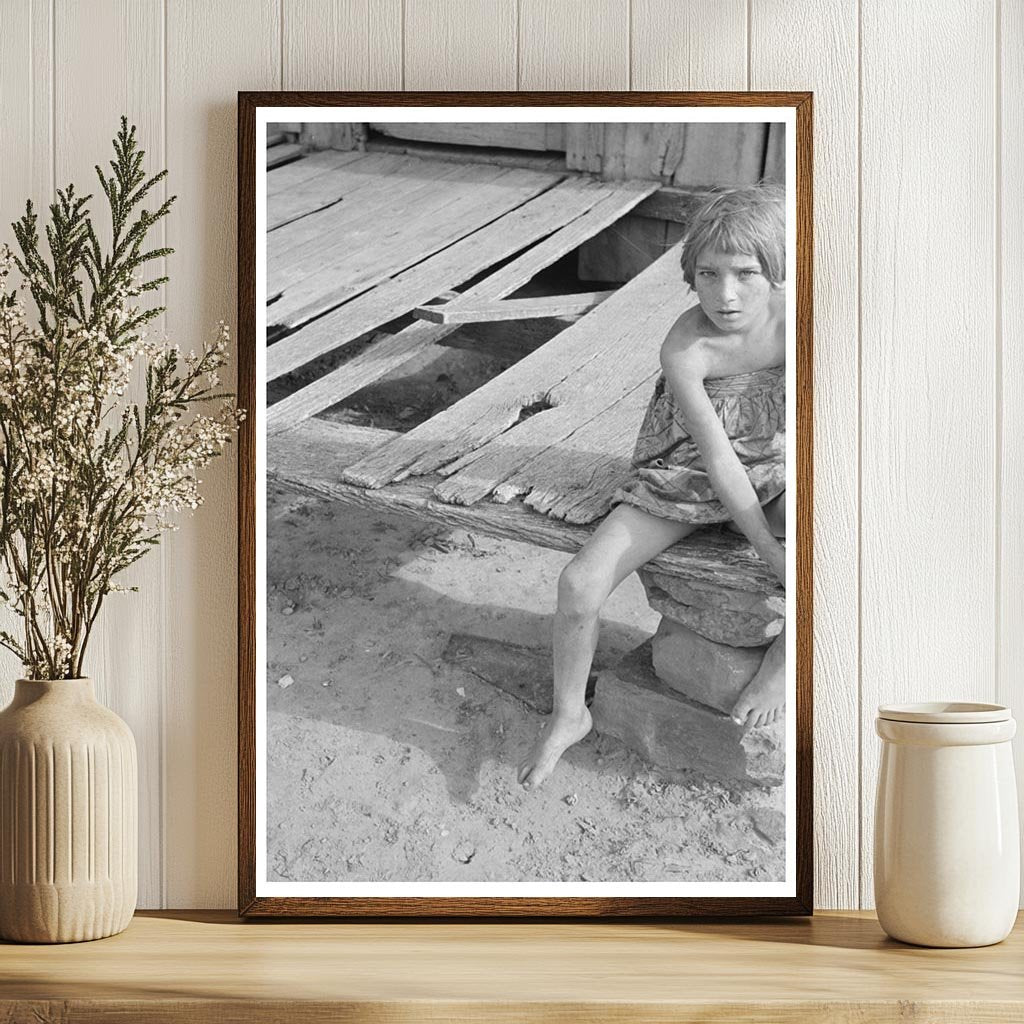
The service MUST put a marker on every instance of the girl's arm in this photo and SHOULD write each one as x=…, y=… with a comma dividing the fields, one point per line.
x=685, y=371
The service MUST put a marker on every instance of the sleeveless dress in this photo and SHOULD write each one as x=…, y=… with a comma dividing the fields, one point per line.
x=670, y=477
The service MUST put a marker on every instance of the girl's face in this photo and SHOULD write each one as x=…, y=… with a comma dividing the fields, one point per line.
x=732, y=289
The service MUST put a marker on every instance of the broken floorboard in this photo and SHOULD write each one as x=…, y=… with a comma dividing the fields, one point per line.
x=399, y=219
x=391, y=351
x=566, y=204
x=462, y=311
x=313, y=457
x=602, y=366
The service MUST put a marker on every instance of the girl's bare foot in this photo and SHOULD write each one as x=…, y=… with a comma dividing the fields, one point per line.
x=556, y=737
x=764, y=698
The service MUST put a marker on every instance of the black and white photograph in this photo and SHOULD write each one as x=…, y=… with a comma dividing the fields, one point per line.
x=525, y=502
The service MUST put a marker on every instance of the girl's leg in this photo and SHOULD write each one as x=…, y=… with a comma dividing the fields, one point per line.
x=764, y=698
x=623, y=542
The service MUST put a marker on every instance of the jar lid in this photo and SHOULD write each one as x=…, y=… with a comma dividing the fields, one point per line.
x=944, y=713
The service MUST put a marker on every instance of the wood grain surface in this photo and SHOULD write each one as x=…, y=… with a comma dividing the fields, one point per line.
x=461, y=312
x=575, y=377
x=529, y=223
x=225, y=46
x=468, y=45
x=313, y=458
x=389, y=351
x=296, y=182
x=1010, y=369
x=328, y=42
x=701, y=44
x=573, y=44
x=394, y=221
x=831, y=70
x=200, y=967
x=928, y=369
x=129, y=671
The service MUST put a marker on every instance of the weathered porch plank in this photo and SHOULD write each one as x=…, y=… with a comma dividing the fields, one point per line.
x=372, y=181
x=461, y=311
x=312, y=194
x=387, y=183
x=575, y=479
x=580, y=372
x=283, y=154
x=381, y=181
x=460, y=261
x=613, y=200
x=313, y=456
x=356, y=244
x=283, y=179
x=430, y=220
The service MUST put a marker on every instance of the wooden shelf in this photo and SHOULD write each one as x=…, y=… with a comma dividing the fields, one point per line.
x=199, y=967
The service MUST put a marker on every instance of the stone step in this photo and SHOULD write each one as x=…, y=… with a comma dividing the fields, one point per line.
x=707, y=672
x=723, y=614
x=523, y=672
x=668, y=730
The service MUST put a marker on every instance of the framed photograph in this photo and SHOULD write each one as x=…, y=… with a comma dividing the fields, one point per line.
x=525, y=502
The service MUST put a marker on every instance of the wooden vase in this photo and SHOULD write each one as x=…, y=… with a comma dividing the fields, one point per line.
x=68, y=815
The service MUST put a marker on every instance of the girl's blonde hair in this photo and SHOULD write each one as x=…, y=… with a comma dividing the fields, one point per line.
x=750, y=220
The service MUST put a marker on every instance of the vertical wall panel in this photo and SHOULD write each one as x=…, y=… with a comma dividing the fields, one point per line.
x=829, y=68
x=342, y=44
x=208, y=61
x=26, y=109
x=125, y=654
x=700, y=44
x=1010, y=260
x=468, y=44
x=573, y=44
x=928, y=363
x=26, y=119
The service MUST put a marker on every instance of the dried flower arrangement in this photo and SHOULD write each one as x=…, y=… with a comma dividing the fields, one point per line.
x=88, y=477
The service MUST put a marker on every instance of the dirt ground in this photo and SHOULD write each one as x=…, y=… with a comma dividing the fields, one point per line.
x=387, y=763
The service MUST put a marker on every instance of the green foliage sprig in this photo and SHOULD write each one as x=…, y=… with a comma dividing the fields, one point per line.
x=88, y=477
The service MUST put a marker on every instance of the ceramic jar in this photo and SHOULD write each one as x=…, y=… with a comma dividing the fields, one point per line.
x=947, y=847
x=68, y=815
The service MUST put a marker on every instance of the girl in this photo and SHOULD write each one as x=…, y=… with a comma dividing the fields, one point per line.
x=711, y=449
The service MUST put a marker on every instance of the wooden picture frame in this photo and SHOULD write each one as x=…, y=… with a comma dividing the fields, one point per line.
x=331, y=121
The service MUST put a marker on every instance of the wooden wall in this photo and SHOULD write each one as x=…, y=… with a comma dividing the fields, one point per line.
x=919, y=306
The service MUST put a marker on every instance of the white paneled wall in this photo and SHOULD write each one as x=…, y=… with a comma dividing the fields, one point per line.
x=919, y=316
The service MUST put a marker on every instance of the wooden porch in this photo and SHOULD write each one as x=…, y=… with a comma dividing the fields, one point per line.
x=361, y=241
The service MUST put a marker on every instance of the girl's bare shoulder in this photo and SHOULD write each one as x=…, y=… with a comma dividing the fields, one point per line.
x=686, y=340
